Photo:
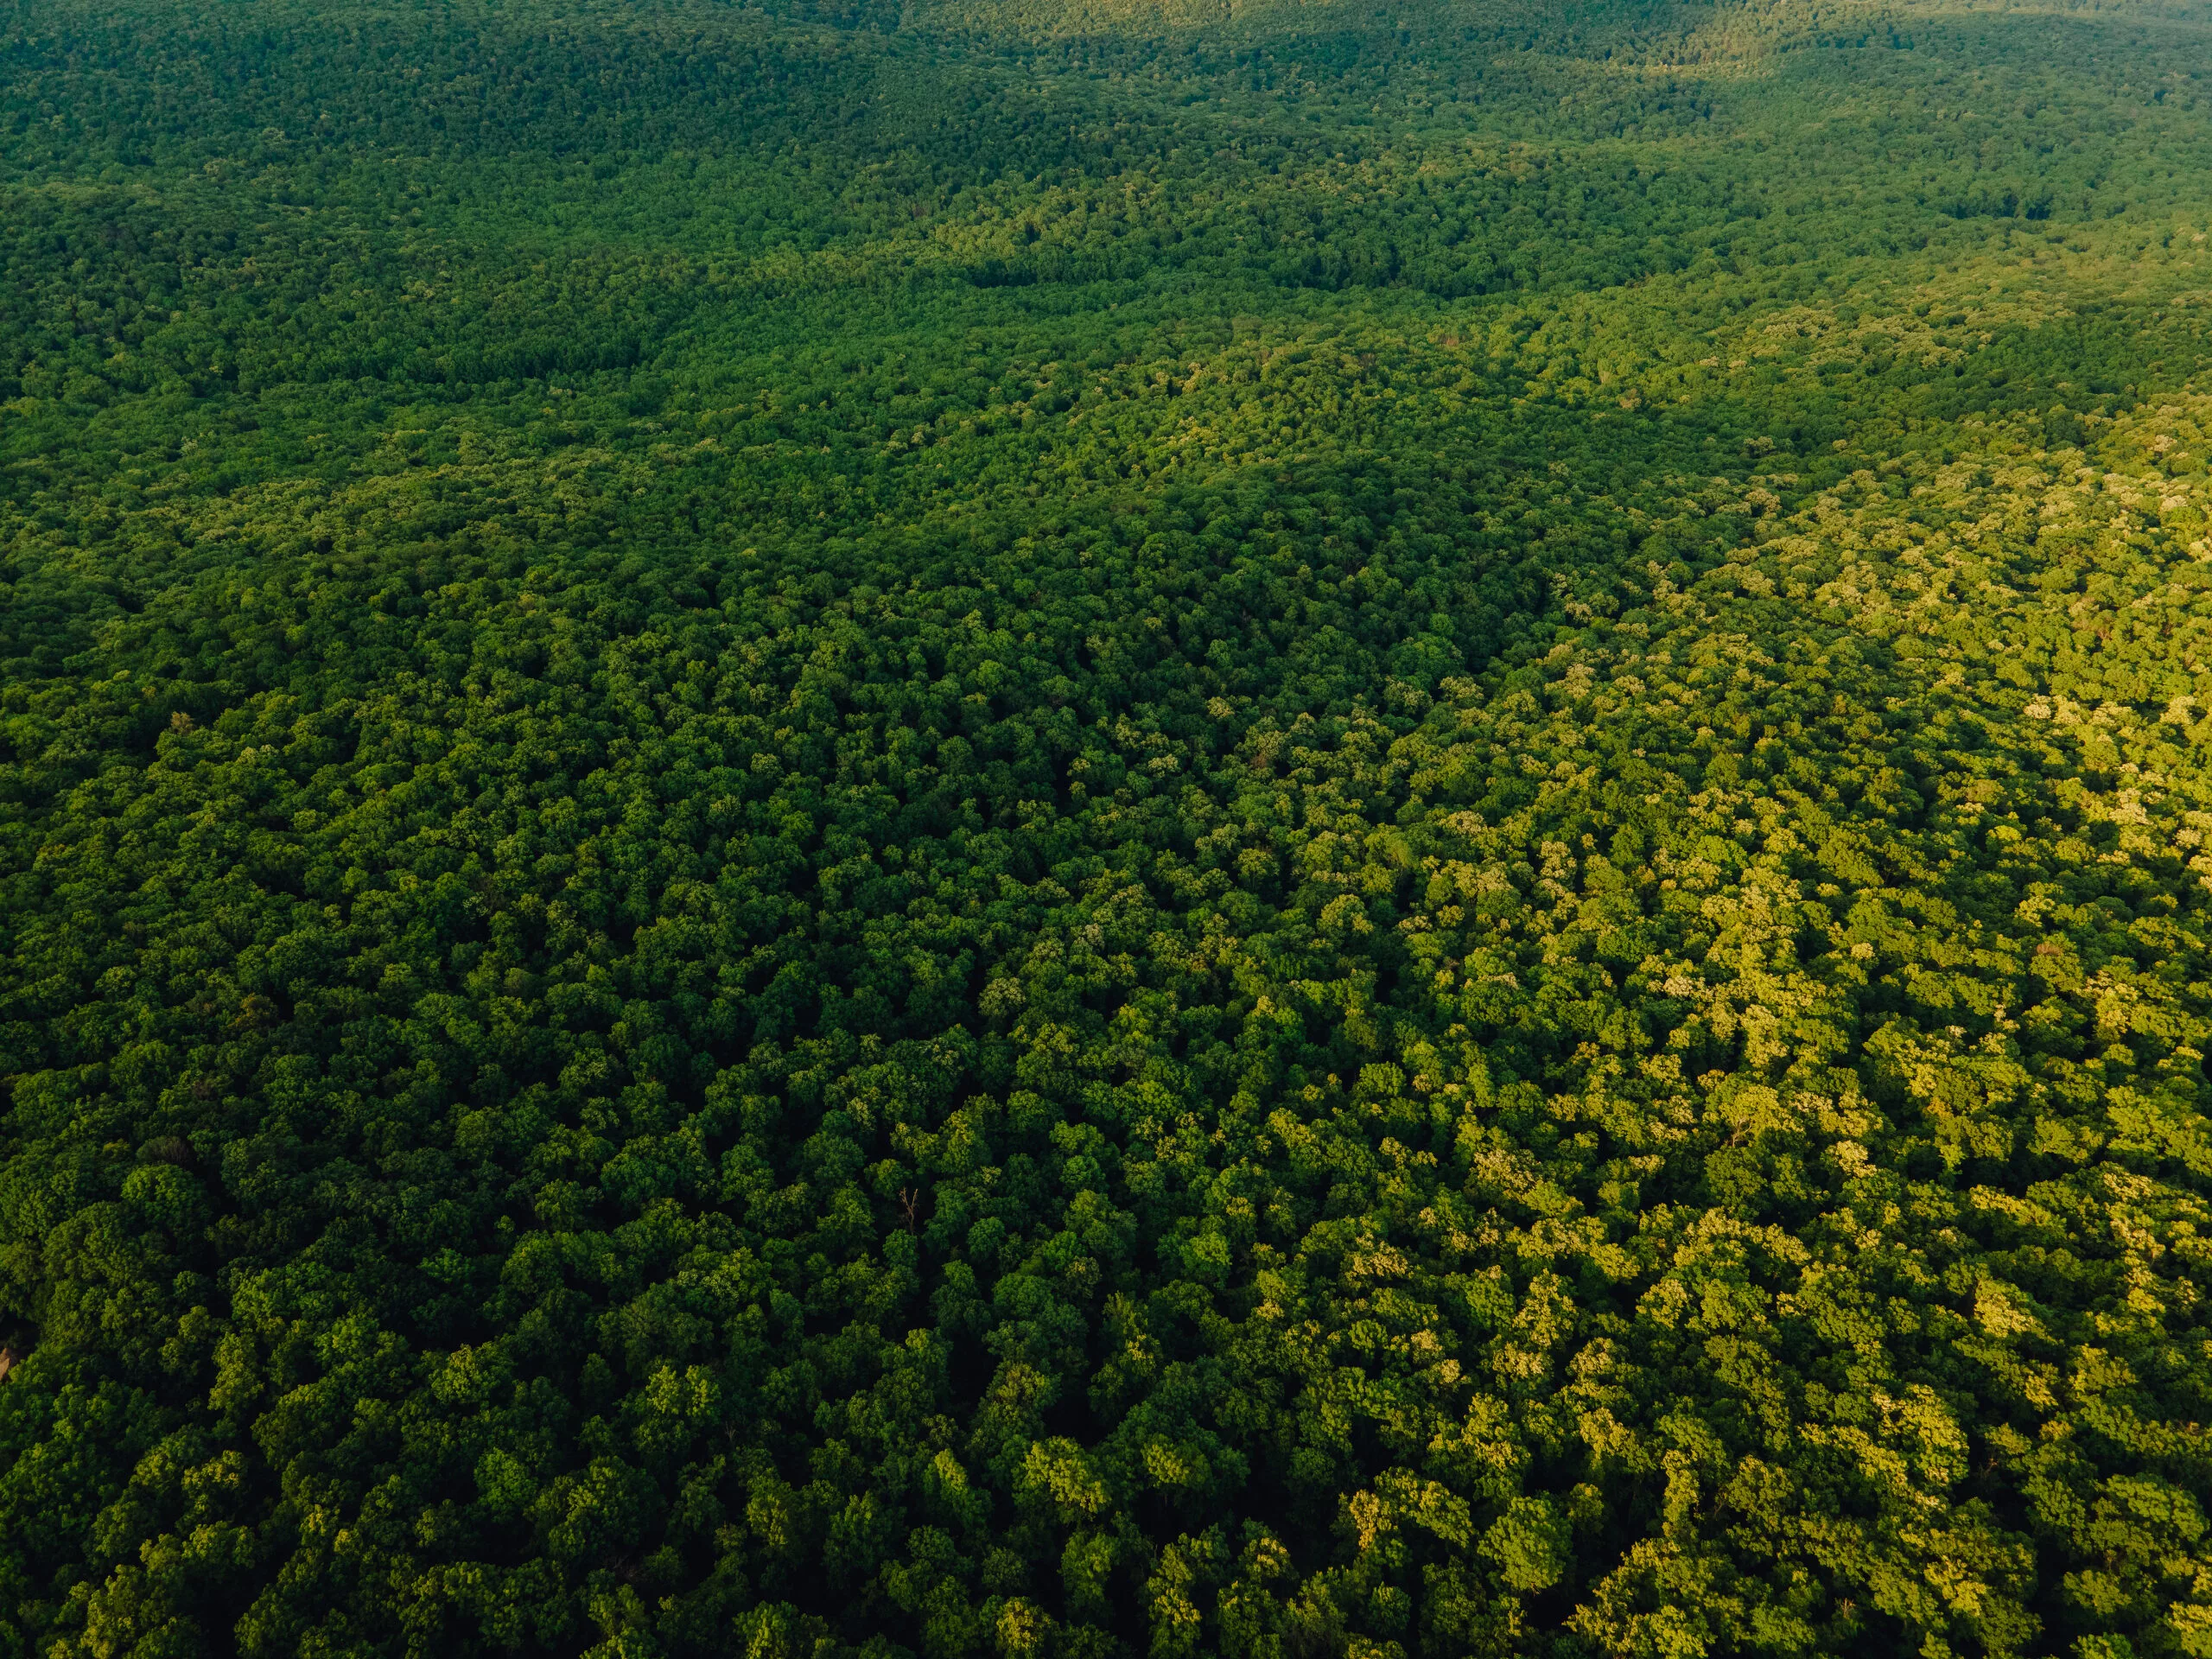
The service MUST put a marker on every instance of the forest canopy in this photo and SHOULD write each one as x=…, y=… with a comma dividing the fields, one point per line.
x=1105, y=827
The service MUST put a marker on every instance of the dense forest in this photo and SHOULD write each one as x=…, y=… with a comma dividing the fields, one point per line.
x=1105, y=829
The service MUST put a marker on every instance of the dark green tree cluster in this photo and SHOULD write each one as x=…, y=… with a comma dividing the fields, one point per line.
x=856, y=832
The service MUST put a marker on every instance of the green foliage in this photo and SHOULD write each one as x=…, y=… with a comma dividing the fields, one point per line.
x=841, y=829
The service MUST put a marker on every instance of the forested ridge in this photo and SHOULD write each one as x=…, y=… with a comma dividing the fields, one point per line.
x=1069, y=827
